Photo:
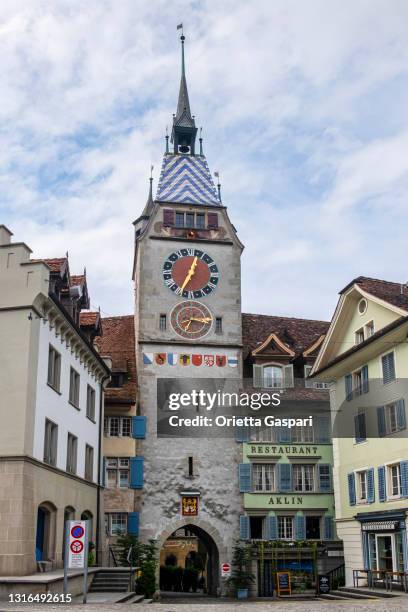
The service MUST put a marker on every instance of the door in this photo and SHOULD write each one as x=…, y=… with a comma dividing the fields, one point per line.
x=385, y=557
x=39, y=541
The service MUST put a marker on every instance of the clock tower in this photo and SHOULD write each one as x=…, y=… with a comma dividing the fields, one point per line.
x=187, y=279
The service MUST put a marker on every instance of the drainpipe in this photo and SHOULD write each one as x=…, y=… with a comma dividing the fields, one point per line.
x=98, y=497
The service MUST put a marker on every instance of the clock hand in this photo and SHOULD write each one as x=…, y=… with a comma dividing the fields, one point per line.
x=201, y=319
x=190, y=273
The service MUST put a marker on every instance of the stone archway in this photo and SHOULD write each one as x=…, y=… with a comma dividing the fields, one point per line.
x=217, y=551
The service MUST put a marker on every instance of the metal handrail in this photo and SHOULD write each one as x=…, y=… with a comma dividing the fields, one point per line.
x=129, y=560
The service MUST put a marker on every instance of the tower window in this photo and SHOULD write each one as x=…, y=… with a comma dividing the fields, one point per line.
x=179, y=219
x=189, y=219
x=190, y=466
x=218, y=325
x=163, y=322
x=200, y=220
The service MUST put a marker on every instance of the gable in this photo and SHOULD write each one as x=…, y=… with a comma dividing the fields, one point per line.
x=271, y=347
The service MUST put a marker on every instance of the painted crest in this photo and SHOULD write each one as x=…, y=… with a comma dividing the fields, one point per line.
x=184, y=359
x=220, y=360
x=172, y=358
x=161, y=358
x=209, y=360
x=197, y=360
x=148, y=358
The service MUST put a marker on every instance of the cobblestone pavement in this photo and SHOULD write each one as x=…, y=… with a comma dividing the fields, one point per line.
x=226, y=605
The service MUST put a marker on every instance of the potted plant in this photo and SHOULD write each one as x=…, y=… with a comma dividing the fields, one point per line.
x=241, y=577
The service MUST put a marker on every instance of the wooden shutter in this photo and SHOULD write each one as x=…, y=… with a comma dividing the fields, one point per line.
x=401, y=418
x=404, y=478
x=103, y=479
x=328, y=528
x=382, y=491
x=370, y=486
x=308, y=383
x=244, y=477
x=325, y=478
x=388, y=367
x=168, y=216
x=212, y=220
x=271, y=528
x=381, y=421
x=258, y=375
x=300, y=527
x=133, y=523
x=364, y=379
x=360, y=427
x=285, y=477
x=136, y=472
x=284, y=434
x=352, y=488
x=139, y=427
x=321, y=425
x=242, y=434
x=348, y=380
x=288, y=380
x=244, y=530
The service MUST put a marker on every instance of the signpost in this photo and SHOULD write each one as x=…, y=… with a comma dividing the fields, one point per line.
x=76, y=551
x=225, y=570
x=283, y=583
x=324, y=584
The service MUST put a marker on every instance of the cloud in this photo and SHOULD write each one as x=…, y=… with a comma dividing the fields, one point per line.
x=303, y=108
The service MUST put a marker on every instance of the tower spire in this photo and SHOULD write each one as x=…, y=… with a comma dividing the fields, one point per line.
x=184, y=129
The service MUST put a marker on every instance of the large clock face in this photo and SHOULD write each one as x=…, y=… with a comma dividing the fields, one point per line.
x=191, y=320
x=190, y=273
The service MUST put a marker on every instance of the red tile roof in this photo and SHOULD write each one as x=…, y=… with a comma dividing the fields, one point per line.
x=54, y=264
x=297, y=334
x=118, y=343
x=395, y=294
x=89, y=319
x=77, y=279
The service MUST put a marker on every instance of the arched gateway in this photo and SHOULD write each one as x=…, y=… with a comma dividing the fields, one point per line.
x=212, y=541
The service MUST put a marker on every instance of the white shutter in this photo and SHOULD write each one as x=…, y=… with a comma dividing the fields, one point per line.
x=308, y=383
x=288, y=380
x=258, y=375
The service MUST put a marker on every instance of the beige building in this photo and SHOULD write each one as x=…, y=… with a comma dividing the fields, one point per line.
x=51, y=393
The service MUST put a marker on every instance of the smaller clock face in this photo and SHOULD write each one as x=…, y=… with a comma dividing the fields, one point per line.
x=191, y=320
x=190, y=273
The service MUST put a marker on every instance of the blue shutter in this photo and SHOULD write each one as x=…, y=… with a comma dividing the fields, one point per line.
x=244, y=476
x=103, y=479
x=404, y=549
x=360, y=427
x=300, y=527
x=324, y=471
x=139, y=427
x=401, y=419
x=366, y=551
x=348, y=380
x=370, y=486
x=244, y=527
x=321, y=429
x=136, y=472
x=351, y=488
x=271, y=528
x=382, y=492
x=328, y=528
x=388, y=367
x=404, y=478
x=284, y=434
x=133, y=523
x=242, y=434
x=285, y=476
x=381, y=421
x=364, y=379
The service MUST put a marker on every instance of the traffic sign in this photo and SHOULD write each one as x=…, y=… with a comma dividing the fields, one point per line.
x=225, y=570
x=76, y=544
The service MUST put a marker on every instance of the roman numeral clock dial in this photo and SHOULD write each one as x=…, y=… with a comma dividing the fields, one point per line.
x=190, y=273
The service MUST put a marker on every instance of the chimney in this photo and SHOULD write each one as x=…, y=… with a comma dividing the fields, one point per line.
x=5, y=235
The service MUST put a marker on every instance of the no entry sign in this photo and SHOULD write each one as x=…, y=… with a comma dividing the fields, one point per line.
x=76, y=544
x=225, y=570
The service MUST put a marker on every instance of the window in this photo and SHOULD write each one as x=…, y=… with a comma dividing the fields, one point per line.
x=325, y=477
x=285, y=527
x=74, y=388
x=388, y=367
x=117, y=472
x=362, y=306
x=263, y=477
x=218, y=325
x=163, y=322
x=200, y=220
x=179, y=219
x=72, y=448
x=369, y=329
x=362, y=487
x=303, y=477
x=189, y=219
x=359, y=336
x=190, y=466
x=118, y=427
x=116, y=523
x=391, y=422
x=394, y=480
x=54, y=368
x=263, y=434
x=313, y=384
x=89, y=461
x=302, y=434
x=256, y=527
x=357, y=382
x=50, y=442
x=272, y=376
x=313, y=527
x=117, y=380
x=90, y=403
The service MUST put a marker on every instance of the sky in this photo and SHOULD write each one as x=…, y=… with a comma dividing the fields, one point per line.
x=303, y=109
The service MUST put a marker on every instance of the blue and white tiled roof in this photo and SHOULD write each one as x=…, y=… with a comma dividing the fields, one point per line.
x=186, y=179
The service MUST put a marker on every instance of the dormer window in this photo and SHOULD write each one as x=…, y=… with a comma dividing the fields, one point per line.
x=363, y=333
x=273, y=376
